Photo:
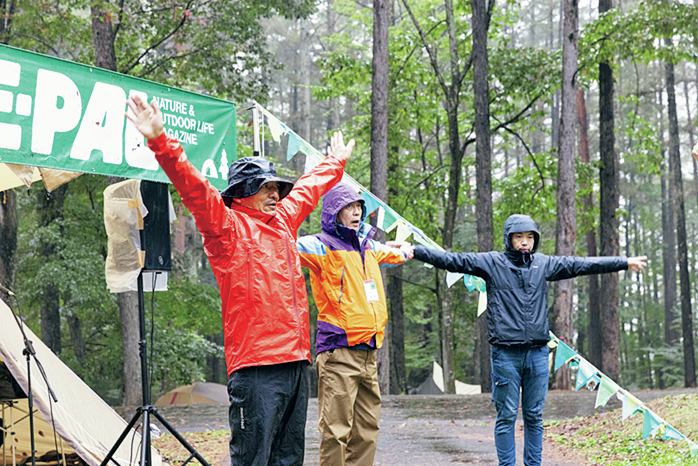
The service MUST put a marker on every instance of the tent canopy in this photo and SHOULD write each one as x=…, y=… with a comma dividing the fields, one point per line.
x=82, y=420
x=200, y=392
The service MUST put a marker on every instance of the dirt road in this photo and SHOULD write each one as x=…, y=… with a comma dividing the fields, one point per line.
x=427, y=430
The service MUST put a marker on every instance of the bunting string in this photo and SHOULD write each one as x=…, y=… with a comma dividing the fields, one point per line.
x=592, y=378
x=387, y=219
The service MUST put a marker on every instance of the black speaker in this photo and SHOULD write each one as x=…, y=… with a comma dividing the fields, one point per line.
x=155, y=236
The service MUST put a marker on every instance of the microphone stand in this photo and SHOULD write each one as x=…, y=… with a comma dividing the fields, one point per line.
x=29, y=353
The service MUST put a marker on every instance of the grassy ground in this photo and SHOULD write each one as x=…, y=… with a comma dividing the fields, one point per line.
x=211, y=444
x=605, y=439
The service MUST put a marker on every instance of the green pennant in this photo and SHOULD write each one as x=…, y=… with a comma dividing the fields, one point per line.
x=607, y=388
x=294, y=145
x=586, y=373
x=650, y=423
x=673, y=434
x=563, y=354
x=693, y=448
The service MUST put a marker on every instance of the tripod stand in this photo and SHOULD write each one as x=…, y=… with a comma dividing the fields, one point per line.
x=147, y=410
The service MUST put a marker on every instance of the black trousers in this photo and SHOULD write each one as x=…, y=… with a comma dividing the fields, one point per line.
x=267, y=414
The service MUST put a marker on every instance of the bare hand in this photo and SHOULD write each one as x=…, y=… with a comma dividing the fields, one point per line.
x=695, y=152
x=636, y=264
x=148, y=118
x=338, y=149
x=405, y=247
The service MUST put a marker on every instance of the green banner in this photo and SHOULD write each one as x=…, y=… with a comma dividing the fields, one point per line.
x=64, y=115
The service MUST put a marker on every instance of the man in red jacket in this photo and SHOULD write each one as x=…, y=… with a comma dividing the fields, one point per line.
x=249, y=233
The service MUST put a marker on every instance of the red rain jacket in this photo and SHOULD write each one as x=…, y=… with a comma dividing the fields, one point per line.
x=254, y=258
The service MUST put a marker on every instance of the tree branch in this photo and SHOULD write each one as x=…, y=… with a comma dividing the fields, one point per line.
x=540, y=173
x=157, y=44
x=432, y=57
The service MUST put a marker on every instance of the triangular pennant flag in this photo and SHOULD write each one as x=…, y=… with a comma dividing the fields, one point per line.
x=693, y=448
x=585, y=373
x=370, y=202
x=307, y=149
x=607, y=388
x=380, y=215
x=294, y=145
x=673, y=434
x=311, y=161
x=452, y=278
x=631, y=405
x=402, y=232
x=468, y=280
x=389, y=219
x=650, y=424
x=275, y=127
x=481, y=303
x=479, y=284
x=593, y=382
x=564, y=353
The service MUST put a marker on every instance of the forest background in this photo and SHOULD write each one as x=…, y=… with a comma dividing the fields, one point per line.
x=580, y=114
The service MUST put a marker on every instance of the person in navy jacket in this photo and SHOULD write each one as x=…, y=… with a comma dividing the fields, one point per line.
x=517, y=321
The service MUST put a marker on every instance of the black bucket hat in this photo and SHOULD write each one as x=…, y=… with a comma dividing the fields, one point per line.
x=247, y=175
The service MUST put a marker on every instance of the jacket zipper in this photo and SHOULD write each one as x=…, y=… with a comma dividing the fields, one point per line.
x=295, y=305
x=341, y=285
x=375, y=317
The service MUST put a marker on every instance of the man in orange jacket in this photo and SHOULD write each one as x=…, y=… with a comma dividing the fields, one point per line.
x=344, y=263
x=249, y=232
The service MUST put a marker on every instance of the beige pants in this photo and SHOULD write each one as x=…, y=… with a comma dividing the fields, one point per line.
x=349, y=402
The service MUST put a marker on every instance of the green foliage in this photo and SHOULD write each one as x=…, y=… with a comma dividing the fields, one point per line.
x=605, y=439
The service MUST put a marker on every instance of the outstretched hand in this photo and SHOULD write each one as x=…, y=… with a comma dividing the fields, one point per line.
x=695, y=152
x=636, y=264
x=337, y=147
x=405, y=247
x=148, y=118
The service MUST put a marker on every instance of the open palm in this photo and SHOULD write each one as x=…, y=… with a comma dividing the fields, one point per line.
x=147, y=118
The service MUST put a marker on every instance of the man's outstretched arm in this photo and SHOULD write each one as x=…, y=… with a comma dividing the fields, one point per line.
x=564, y=267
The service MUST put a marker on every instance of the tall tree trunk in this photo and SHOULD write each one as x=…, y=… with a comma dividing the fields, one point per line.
x=483, y=164
x=130, y=335
x=677, y=181
x=690, y=132
x=8, y=241
x=332, y=112
x=671, y=336
x=594, y=329
x=608, y=223
x=103, y=37
x=398, y=377
x=49, y=210
x=76, y=336
x=379, y=145
x=566, y=230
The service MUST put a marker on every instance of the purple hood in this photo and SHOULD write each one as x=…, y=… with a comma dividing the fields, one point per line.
x=335, y=200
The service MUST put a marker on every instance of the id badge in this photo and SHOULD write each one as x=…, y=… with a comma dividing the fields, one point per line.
x=371, y=291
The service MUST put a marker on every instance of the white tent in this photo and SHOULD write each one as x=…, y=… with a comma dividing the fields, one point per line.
x=461, y=388
x=83, y=421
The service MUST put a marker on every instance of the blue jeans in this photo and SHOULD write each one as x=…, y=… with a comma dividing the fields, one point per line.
x=514, y=369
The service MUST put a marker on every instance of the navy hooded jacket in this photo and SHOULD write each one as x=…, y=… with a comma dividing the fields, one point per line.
x=517, y=303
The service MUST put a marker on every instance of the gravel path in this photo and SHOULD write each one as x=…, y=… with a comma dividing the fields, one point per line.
x=427, y=430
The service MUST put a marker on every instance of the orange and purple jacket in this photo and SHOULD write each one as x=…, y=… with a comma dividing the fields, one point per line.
x=340, y=261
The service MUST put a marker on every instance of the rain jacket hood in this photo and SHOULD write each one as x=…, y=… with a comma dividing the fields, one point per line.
x=518, y=224
x=340, y=196
x=247, y=175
